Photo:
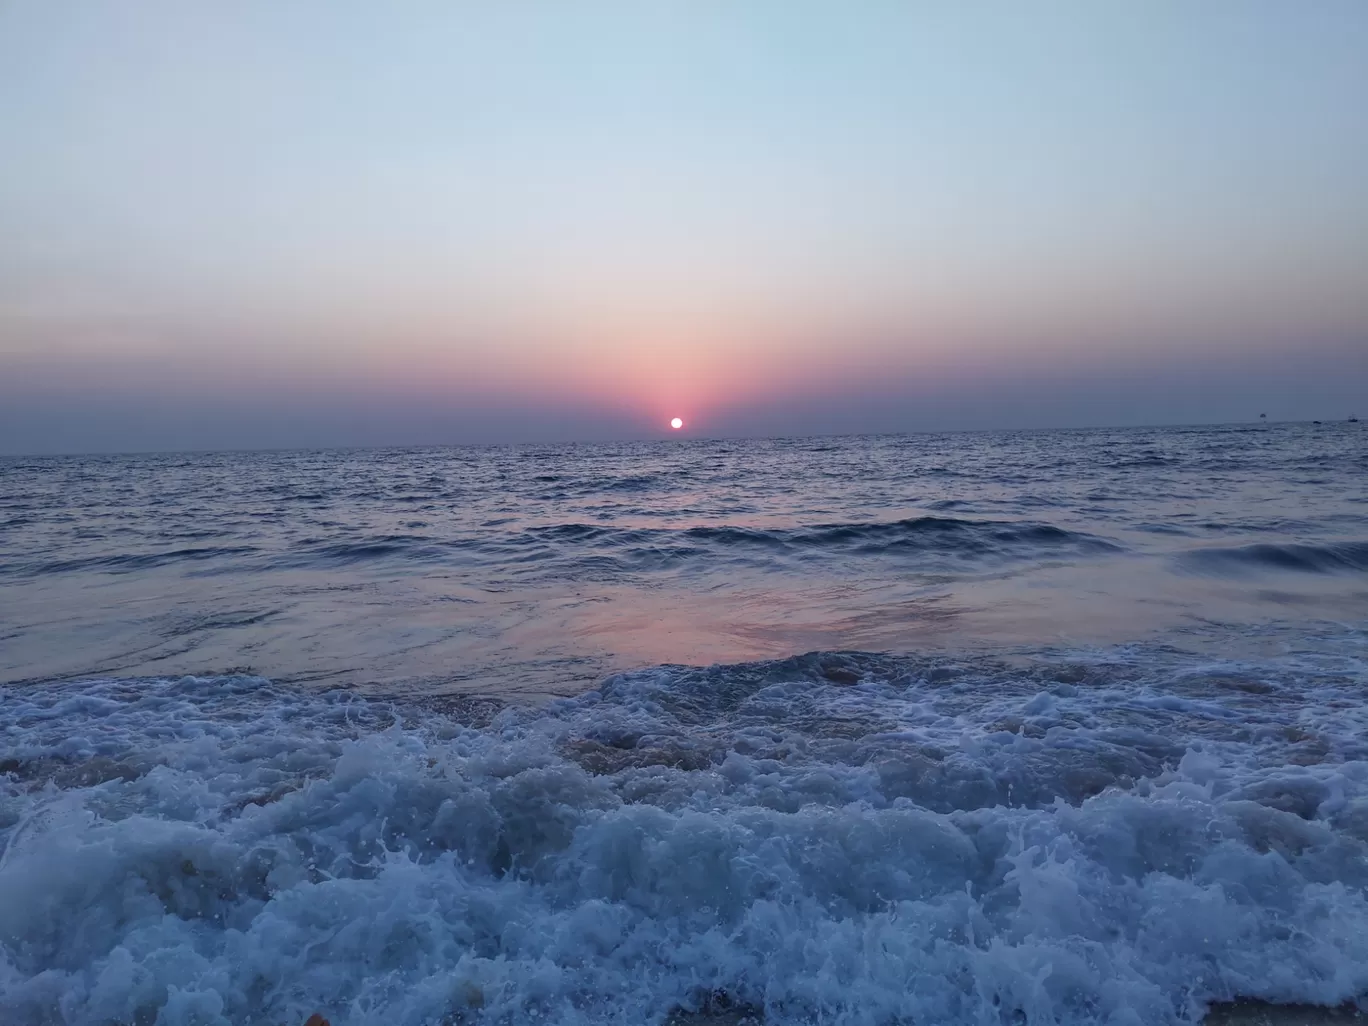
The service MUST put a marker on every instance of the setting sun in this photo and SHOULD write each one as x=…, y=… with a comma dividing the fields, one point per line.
x=676, y=423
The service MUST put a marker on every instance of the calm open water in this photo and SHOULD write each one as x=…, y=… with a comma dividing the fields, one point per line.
x=1047, y=727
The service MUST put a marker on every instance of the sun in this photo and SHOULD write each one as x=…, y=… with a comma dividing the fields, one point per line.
x=676, y=423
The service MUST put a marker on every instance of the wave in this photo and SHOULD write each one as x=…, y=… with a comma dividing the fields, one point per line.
x=633, y=482
x=1329, y=558
x=409, y=547
x=1144, y=461
x=929, y=544
x=834, y=838
x=128, y=562
x=595, y=552
x=942, y=535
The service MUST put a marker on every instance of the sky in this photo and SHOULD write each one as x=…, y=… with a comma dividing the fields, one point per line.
x=331, y=223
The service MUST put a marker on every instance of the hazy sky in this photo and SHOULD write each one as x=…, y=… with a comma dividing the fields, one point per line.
x=240, y=224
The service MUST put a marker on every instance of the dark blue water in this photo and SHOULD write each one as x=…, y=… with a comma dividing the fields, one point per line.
x=1040, y=728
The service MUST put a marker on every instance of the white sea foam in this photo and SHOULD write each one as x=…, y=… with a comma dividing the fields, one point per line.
x=1118, y=837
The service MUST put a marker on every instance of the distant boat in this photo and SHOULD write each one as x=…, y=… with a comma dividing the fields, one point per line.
x=1353, y=420
x=1263, y=416
x=1315, y=422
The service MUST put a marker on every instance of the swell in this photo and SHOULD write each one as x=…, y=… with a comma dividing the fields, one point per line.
x=127, y=562
x=944, y=535
x=319, y=552
x=1328, y=558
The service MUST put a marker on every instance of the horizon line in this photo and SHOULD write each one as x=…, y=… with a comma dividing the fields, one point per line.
x=673, y=438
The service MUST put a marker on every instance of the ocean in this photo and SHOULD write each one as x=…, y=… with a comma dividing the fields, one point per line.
x=1053, y=727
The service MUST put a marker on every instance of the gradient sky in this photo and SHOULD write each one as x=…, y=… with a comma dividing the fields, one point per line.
x=266, y=224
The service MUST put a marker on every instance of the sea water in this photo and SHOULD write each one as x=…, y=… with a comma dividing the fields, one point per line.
x=1056, y=727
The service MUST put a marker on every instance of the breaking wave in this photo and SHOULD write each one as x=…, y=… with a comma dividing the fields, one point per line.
x=1116, y=837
